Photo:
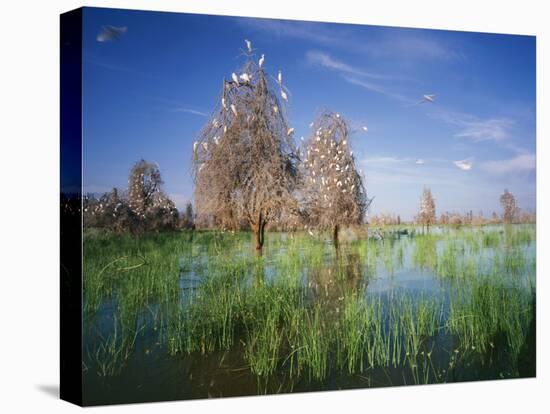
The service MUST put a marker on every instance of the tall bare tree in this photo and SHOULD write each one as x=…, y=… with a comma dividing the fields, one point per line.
x=509, y=207
x=244, y=160
x=334, y=194
x=426, y=215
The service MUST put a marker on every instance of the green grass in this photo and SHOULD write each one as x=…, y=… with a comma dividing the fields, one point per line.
x=306, y=310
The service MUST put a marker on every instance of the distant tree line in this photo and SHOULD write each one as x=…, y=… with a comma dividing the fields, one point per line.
x=143, y=207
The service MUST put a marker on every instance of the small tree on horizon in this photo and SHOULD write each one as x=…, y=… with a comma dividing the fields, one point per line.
x=509, y=207
x=426, y=216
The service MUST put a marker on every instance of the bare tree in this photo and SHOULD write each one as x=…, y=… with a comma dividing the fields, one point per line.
x=426, y=216
x=144, y=207
x=149, y=207
x=509, y=207
x=333, y=194
x=244, y=160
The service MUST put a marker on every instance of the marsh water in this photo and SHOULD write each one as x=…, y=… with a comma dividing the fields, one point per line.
x=198, y=314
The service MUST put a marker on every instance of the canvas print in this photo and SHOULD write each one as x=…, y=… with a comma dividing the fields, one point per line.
x=275, y=206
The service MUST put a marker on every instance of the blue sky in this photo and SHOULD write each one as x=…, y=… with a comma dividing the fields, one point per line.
x=149, y=92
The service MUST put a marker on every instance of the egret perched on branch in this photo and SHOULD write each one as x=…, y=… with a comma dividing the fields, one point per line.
x=275, y=108
x=234, y=109
x=248, y=45
x=224, y=104
x=261, y=61
x=195, y=144
x=234, y=77
x=280, y=78
x=245, y=77
x=290, y=131
x=284, y=96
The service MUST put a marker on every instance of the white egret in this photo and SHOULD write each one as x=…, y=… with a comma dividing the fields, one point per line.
x=234, y=77
x=464, y=165
x=195, y=145
x=275, y=108
x=284, y=96
x=224, y=104
x=248, y=45
x=245, y=77
x=234, y=109
x=205, y=146
x=427, y=99
x=290, y=131
x=261, y=61
x=280, y=78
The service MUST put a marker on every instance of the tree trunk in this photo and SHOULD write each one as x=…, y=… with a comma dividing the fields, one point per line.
x=259, y=231
x=335, y=235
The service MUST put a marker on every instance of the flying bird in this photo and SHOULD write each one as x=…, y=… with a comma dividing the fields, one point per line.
x=234, y=77
x=110, y=33
x=464, y=165
x=248, y=45
x=419, y=161
x=427, y=99
x=284, y=96
x=261, y=61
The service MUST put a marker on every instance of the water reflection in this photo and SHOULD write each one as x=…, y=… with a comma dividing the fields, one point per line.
x=135, y=340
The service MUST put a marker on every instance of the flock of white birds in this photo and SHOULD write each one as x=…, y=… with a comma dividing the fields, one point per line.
x=464, y=165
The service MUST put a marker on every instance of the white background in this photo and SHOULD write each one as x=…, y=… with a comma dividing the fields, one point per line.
x=29, y=159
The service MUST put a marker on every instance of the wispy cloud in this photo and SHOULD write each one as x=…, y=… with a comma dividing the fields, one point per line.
x=190, y=111
x=316, y=57
x=384, y=160
x=354, y=75
x=413, y=46
x=404, y=44
x=497, y=129
x=373, y=87
x=521, y=164
x=476, y=129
